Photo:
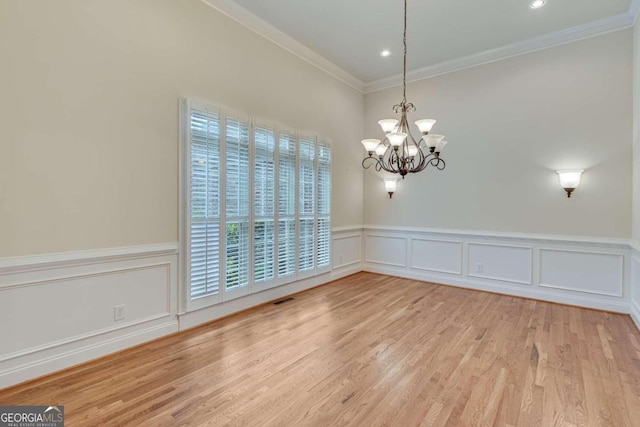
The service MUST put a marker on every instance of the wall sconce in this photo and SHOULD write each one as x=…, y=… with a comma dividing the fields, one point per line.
x=390, y=185
x=569, y=180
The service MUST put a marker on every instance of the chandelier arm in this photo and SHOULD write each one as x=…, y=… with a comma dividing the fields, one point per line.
x=367, y=165
x=423, y=157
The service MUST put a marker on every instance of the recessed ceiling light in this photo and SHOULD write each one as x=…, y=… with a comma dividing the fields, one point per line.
x=385, y=53
x=537, y=4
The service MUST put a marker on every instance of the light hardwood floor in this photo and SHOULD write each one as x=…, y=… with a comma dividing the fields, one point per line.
x=368, y=350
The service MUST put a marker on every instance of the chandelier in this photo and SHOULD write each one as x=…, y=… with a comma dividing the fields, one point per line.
x=398, y=152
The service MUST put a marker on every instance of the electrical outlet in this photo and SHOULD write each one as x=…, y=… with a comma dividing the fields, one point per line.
x=479, y=267
x=118, y=312
x=340, y=260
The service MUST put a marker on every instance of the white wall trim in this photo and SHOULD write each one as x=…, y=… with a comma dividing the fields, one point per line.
x=70, y=340
x=394, y=264
x=83, y=275
x=635, y=313
x=90, y=347
x=60, y=278
x=436, y=270
x=504, y=289
x=27, y=363
x=538, y=238
x=635, y=245
x=261, y=27
x=84, y=286
x=502, y=279
x=516, y=268
x=286, y=42
x=619, y=291
x=214, y=312
x=346, y=228
x=634, y=302
x=67, y=259
x=568, y=35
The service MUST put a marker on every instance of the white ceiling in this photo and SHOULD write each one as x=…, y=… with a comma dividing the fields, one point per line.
x=351, y=33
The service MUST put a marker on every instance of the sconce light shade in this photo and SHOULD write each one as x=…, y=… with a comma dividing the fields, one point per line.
x=570, y=180
x=390, y=185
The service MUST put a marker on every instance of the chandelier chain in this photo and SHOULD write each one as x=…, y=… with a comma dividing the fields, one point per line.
x=404, y=67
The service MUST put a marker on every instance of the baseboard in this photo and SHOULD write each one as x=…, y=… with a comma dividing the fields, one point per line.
x=218, y=311
x=523, y=291
x=46, y=361
x=634, y=311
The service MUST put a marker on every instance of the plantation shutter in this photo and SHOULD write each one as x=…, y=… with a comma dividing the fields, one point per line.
x=264, y=204
x=257, y=205
x=324, y=204
x=286, y=205
x=237, y=243
x=204, y=231
x=307, y=204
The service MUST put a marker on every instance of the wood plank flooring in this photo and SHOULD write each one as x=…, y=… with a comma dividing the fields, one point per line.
x=368, y=350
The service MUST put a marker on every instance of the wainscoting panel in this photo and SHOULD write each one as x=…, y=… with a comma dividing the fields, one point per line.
x=66, y=308
x=436, y=255
x=386, y=250
x=58, y=311
x=500, y=262
x=582, y=271
x=347, y=249
x=597, y=273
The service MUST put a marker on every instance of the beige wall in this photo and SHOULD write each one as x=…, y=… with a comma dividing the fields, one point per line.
x=510, y=125
x=636, y=131
x=89, y=115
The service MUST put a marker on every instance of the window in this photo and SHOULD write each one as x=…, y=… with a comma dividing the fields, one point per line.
x=258, y=204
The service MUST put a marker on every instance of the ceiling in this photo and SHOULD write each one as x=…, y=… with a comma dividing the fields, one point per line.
x=351, y=33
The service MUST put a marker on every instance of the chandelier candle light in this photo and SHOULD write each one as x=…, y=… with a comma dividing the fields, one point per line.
x=399, y=153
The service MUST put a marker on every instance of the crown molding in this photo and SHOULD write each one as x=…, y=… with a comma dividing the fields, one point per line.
x=286, y=42
x=602, y=26
x=256, y=24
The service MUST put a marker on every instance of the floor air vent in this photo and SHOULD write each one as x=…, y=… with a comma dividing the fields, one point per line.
x=282, y=301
